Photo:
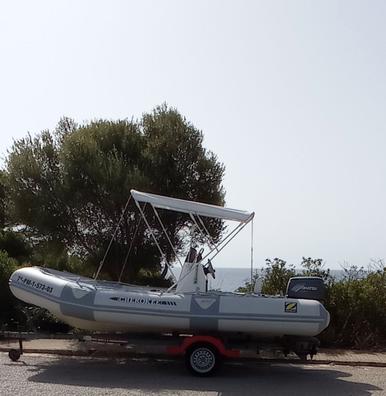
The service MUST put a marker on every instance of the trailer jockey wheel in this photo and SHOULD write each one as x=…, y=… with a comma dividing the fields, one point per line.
x=202, y=360
x=14, y=355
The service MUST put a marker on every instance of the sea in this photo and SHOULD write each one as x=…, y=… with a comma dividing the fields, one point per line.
x=229, y=279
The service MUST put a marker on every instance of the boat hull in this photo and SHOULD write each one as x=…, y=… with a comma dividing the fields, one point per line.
x=86, y=304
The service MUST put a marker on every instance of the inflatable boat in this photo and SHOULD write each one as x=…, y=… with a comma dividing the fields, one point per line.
x=187, y=306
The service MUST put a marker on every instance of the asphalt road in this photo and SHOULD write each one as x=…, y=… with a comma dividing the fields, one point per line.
x=56, y=375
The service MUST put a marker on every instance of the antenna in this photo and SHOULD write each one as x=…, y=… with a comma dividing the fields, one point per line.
x=251, y=252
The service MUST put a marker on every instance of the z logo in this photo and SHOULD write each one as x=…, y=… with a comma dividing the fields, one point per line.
x=291, y=307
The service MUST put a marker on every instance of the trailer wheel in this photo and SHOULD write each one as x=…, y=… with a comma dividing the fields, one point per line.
x=14, y=355
x=202, y=360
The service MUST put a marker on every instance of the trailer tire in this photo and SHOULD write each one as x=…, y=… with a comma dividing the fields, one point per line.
x=202, y=360
x=14, y=355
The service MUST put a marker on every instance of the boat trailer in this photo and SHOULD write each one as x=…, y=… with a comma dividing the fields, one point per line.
x=203, y=354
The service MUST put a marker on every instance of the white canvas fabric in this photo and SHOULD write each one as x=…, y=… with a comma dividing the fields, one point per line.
x=198, y=208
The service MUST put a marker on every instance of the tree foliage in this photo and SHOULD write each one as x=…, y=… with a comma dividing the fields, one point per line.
x=3, y=199
x=68, y=187
x=15, y=245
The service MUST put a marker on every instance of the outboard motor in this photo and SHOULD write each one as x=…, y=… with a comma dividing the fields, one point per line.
x=307, y=287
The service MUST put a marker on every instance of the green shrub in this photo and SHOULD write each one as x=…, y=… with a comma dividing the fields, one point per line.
x=357, y=306
x=315, y=267
x=356, y=302
x=39, y=319
x=7, y=300
x=275, y=276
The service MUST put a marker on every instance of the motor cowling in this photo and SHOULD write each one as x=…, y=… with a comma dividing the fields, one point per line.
x=306, y=287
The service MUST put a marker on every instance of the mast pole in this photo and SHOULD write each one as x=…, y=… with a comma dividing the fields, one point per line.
x=251, y=252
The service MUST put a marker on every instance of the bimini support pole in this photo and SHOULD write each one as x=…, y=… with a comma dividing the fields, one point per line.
x=112, y=239
x=166, y=234
x=228, y=238
x=207, y=235
x=155, y=239
x=129, y=251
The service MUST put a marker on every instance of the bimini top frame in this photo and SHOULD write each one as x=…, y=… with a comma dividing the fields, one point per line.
x=191, y=207
x=195, y=210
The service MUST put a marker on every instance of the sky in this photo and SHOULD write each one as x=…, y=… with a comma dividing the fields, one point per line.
x=290, y=95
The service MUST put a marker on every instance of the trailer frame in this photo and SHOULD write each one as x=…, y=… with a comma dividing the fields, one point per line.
x=203, y=353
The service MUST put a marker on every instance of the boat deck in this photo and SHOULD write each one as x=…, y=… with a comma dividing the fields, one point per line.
x=121, y=286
